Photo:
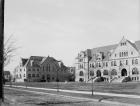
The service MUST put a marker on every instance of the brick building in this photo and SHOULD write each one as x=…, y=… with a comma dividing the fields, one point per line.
x=37, y=68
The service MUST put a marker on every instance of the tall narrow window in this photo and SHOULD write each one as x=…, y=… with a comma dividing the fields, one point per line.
x=81, y=73
x=136, y=61
x=111, y=63
x=120, y=54
x=126, y=53
x=99, y=64
x=132, y=61
x=120, y=63
x=106, y=64
x=126, y=62
x=115, y=63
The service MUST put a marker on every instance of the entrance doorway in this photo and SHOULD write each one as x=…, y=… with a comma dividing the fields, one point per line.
x=124, y=72
x=98, y=73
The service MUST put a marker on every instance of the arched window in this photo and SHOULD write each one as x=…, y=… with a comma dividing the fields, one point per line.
x=91, y=73
x=135, y=71
x=81, y=73
x=105, y=72
x=114, y=72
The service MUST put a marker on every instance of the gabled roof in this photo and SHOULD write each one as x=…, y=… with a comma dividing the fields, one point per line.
x=104, y=49
x=37, y=59
x=137, y=43
x=133, y=44
x=87, y=53
x=50, y=59
x=23, y=61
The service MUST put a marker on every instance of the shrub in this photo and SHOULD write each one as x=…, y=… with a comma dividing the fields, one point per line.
x=126, y=79
x=99, y=79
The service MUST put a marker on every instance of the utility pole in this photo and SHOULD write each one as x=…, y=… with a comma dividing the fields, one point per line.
x=1, y=49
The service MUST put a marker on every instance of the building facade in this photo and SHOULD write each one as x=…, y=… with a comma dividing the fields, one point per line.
x=114, y=63
x=41, y=69
x=20, y=71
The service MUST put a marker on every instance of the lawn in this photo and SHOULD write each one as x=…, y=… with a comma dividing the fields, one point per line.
x=125, y=88
x=23, y=98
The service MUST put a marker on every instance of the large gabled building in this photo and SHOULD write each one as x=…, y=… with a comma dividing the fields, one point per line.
x=37, y=68
x=114, y=62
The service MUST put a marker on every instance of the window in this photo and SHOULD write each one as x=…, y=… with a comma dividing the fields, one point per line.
x=131, y=53
x=81, y=65
x=24, y=75
x=29, y=75
x=103, y=64
x=37, y=75
x=91, y=73
x=126, y=62
x=20, y=76
x=126, y=53
x=115, y=55
x=105, y=72
x=53, y=78
x=113, y=72
x=33, y=75
x=37, y=69
x=43, y=68
x=135, y=71
x=33, y=69
x=90, y=65
x=106, y=64
x=81, y=73
x=93, y=65
x=136, y=61
x=111, y=63
x=121, y=63
x=29, y=69
x=99, y=64
x=115, y=63
x=120, y=54
x=81, y=79
x=132, y=61
x=46, y=68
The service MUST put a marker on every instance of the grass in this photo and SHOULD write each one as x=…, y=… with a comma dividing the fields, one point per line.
x=31, y=99
x=125, y=88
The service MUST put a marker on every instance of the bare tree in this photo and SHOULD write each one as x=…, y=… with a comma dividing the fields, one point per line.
x=9, y=50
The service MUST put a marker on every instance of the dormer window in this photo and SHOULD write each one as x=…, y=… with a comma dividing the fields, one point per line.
x=123, y=44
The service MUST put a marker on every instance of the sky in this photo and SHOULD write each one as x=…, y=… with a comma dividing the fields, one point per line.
x=63, y=28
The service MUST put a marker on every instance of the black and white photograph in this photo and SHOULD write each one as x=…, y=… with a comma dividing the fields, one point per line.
x=69, y=52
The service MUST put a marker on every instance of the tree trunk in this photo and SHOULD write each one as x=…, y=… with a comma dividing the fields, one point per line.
x=1, y=48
